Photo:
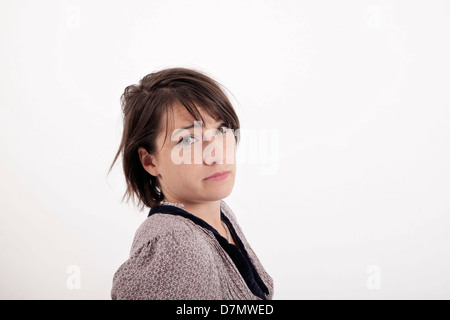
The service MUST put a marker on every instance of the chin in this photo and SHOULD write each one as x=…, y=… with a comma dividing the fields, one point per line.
x=218, y=193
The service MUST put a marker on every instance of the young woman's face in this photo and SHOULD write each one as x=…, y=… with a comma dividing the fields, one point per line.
x=189, y=156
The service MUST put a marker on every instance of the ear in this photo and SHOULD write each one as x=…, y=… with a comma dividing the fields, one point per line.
x=147, y=161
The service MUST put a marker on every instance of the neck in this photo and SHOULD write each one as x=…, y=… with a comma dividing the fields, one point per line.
x=208, y=211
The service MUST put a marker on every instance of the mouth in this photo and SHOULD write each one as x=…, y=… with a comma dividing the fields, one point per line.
x=218, y=176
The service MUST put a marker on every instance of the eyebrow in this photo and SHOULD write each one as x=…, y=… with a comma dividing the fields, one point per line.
x=185, y=128
x=192, y=126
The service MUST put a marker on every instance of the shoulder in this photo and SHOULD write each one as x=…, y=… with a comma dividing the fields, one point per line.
x=174, y=240
x=169, y=260
x=164, y=226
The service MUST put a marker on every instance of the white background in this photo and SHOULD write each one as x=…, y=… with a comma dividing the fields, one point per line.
x=357, y=93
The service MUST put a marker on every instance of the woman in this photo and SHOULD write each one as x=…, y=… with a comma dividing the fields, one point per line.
x=178, y=148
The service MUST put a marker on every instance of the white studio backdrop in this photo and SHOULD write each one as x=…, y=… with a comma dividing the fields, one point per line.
x=343, y=181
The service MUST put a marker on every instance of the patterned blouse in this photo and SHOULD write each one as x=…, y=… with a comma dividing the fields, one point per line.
x=178, y=256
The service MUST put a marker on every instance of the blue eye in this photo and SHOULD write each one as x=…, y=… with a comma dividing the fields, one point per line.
x=187, y=140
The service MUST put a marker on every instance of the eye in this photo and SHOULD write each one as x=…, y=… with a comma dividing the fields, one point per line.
x=187, y=140
x=223, y=129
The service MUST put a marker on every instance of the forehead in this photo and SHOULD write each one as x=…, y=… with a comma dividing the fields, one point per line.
x=180, y=117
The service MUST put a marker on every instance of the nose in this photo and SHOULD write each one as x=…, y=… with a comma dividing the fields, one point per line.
x=213, y=150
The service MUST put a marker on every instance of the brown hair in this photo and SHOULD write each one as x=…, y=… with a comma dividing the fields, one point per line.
x=146, y=103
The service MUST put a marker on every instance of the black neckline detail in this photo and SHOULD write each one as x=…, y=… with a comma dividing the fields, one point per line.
x=237, y=252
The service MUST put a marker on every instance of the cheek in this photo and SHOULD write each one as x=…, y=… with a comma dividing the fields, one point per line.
x=184, y=154
x=229, y=148
x=183, y=173
x=167, y=167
